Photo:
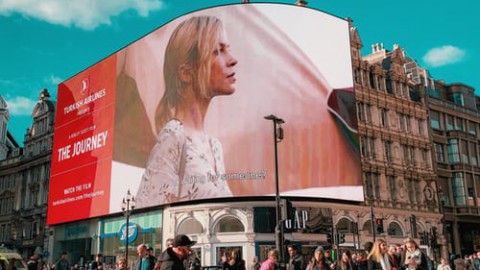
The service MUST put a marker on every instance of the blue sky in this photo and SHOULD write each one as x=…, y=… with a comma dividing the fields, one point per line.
x=44, y=42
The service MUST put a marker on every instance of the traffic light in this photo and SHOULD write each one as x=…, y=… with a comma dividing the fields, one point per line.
x=287, y=210
x=423, y=238
x=341, y=238
x=329, y=238
x=379, y=223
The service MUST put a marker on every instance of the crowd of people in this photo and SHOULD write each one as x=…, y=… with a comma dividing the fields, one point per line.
x=376, y=256
x=380, y=255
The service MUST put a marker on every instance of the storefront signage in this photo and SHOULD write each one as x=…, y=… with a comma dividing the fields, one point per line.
x=299, y=220
x=75, y=231
x=132, y=232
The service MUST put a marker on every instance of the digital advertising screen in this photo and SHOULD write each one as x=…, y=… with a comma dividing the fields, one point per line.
x=179, y=115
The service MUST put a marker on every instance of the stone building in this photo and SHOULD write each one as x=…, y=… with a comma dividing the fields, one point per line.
x=24, y=177
x=395, y=146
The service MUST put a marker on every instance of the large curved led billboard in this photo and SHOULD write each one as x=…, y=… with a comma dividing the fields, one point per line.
x=179, y=114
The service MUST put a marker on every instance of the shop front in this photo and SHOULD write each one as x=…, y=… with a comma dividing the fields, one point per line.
x=78, y=239
x=143, y=228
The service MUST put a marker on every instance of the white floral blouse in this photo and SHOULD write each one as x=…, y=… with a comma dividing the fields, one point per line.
x=196, y=156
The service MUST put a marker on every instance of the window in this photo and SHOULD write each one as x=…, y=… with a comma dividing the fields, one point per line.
x=458, y=99
x=368, y=111
x=367, y=147
x=434, y=119
x=371, y=184
x=229, y=224
x=344, y=225
x=425, y=158
x=360, y=112
x=439, y=152
x=363, y=146
x=412, y=155
x=458, y=185
x=421, y=127
x=406, y=156
x=408, y=121
x=190, y=226
x=380, y=83
x=472, y=149
x=394, y=229
x=401, y=120
x=388, y=151
x=459, y=125
x=453, y=151
x=464, y=152
x=357, y=76
x=470, y=190
x=393, y=187
x=384, y=120
x=472, y=128
x=450, y=122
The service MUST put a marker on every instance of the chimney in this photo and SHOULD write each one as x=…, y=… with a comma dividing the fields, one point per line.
x=301, y=3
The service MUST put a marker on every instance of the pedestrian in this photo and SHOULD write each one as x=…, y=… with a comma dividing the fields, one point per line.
x=318, y=261
x=235, y=262
x=62, y=264
x=169, y=242
x=476, y=261
x=413, y=257
x=255, y=264
x=459, y=264
x=194, y=262
x=346, y=262
x=271, y=262
x=297, y=261
x=378, y=258
x=393, y=256
x=145, y=260
x=443, y=265
x=121, y=264
x=32, y=263
x=97, y=264
x=151, y=252
x=173, y=258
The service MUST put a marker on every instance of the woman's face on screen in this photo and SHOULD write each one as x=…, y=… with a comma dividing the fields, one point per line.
x=222, y=72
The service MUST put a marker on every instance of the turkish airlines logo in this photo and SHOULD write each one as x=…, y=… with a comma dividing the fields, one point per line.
x=85, y=86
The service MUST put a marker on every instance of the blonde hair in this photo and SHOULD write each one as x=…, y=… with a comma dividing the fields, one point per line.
x=274, y=253
x=191, y=46
x=376, y=252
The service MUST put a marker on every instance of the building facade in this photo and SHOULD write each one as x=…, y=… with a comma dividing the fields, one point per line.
x=454, y=121
x=396, y=149
x=24, y=177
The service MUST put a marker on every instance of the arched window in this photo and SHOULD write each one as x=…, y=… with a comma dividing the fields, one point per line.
x=229, y=224
x=367, y=227
x=344, y=225
x=394, y=229
x=190, y=226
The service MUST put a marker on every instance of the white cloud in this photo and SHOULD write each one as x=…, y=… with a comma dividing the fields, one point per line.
x=52, y=79
x=85, y=14
x=20, y=105
x=444, y=55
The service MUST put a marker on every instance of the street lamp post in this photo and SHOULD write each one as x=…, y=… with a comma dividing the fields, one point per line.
x=128, y=204
x=277, y=137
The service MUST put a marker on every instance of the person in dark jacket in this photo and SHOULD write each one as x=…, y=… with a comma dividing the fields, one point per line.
x=235, y=262
x=97, y=264
x=173, y=258
x=297, y=261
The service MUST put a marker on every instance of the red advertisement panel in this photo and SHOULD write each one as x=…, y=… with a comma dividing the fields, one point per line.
x=83, y=145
